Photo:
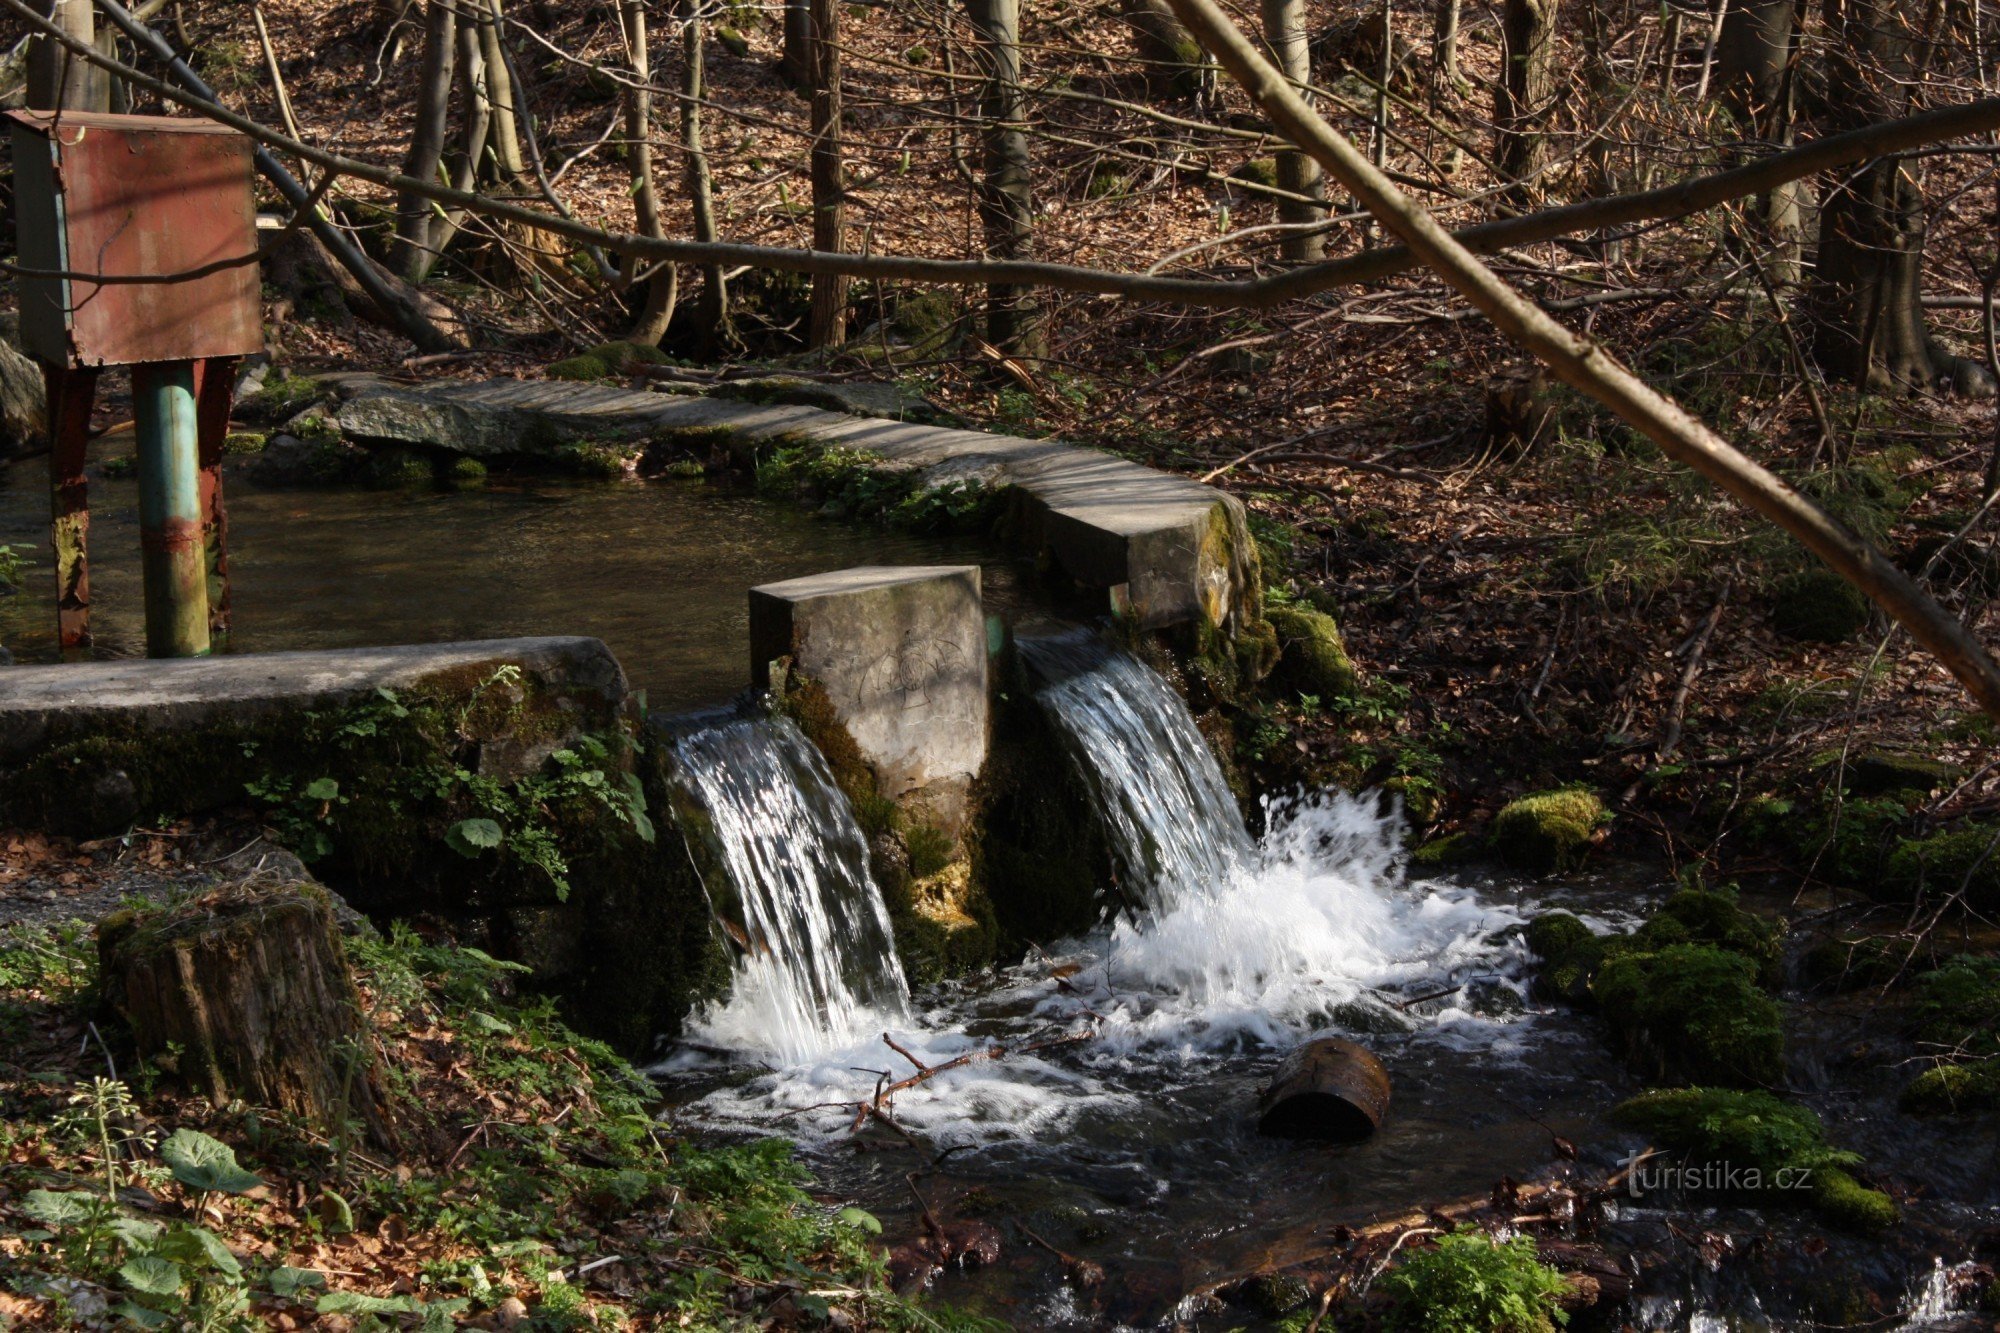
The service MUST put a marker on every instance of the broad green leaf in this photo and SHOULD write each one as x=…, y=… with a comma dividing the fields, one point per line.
x=138, y=1232
x=151, y=1275
x=66, y=1209
x=322, y=789
x=202, y=1163
x=862, y=1219
x=141, y=1316
x=198, y=1246
x=488, y=1023
x=470, y=837
x=285, y=1280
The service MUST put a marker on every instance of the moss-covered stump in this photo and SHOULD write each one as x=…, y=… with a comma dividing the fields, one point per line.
x=1765, y=1148
x=1312, y=658
x=244, y=993
x=1818, y=606
x=1547, y=830
x=1956, y=1022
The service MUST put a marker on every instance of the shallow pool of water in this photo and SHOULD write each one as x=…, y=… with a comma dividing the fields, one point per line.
x=657, y=570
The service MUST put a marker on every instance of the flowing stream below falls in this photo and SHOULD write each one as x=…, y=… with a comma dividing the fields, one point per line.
x=1136, y=1147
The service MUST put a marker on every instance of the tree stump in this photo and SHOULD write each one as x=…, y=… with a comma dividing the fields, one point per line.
x=244, y=992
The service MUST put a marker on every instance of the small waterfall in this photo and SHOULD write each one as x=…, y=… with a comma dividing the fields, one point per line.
x=819, y=967
x=1173, y=823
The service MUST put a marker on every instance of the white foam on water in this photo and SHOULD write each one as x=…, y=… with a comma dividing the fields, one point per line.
x=1242, y=944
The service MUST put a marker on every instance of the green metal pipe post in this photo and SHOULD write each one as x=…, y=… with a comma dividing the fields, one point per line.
x=173, y=551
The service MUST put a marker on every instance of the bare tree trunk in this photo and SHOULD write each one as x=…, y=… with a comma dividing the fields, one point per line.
x=412, y=253
x=1590, y=368
x=714, y=307
x=1445, y=43
x=1753, y=79
x=663, y=286
x=1006, y=196
x=828, y=326
x=1285, y=32
x=1525, y=94
x=505, y=139
x=1866, y=297
x=1175, y=64
x=795, y=63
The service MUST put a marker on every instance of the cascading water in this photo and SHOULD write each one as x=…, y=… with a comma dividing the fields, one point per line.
x=819, y=968
x=1172, y=820
x=1239, y=938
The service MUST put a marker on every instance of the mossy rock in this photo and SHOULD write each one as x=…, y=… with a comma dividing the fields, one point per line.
x=280, y=399
x=1954, y=1089
x=1850, y=1205
x=1312, y=657
x=608, y=361
x=1965, y=859
x=1695, y=1012
x=399, y=469
x=1552, y=935
x=1818, y=606
x=1775, y=1148
x=1715, y=916
x=1548, y=830
x=1450, y=850
x=1842, y=964
x=465, y=473
x=732, y=41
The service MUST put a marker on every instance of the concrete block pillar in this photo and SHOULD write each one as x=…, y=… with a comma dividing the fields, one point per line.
x=900, y=653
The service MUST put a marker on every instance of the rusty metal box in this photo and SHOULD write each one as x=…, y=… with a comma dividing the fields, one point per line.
x=141, y=197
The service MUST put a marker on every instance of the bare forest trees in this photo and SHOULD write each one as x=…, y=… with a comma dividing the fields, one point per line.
x=1285, y=32
x=1006, y=199
x=828, y=317
x=661, y=281
x=1525, y=94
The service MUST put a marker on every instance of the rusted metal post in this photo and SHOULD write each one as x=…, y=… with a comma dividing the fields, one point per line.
x=70, y=393
x=172, y=550
x=214, y=390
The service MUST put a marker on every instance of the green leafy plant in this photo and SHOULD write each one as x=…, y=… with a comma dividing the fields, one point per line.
x=103, y=1113
x=1472, y=1283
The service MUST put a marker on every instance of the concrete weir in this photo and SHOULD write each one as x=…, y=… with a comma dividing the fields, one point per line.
x=899, y=652
x=1163, y=547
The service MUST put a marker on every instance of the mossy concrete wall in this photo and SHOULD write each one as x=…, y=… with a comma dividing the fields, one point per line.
x=372, y=763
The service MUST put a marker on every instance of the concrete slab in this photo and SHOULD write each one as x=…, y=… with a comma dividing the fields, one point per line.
x=900, y=651
x=1170, y=548
x=49, y=705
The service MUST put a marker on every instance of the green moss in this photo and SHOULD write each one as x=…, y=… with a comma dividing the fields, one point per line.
x=1554, y=935
x=1450, y=850
x=1714, y=916
x=1965, y=859
x=119, y=466
x=465, y=473
x=1773, y=1146
x=1693, y=1011
x=1850, y=1205
x=1547, y=830
x=1880, y=772
x=1842, y=964
x=1312, y=658
x=604, y=460
x=1958, y=1006
x=1954, y=1089
x=281, y=398
x=732, y=41
x=241, y=442
x=1818, y=606
x=399, y=469
x=931, y=849
x=1258, y=171
x=608, y=361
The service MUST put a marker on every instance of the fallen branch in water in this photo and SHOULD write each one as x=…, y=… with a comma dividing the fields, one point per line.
x=878, y=1105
